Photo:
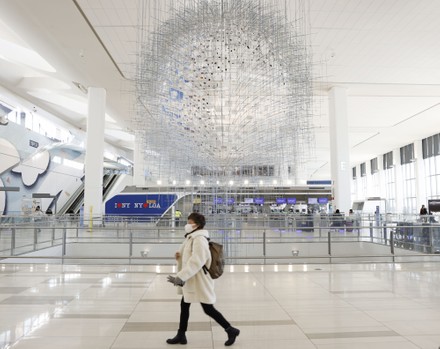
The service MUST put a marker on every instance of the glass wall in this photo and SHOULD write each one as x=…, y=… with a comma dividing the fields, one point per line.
x=397, y=177
x=389, y=176
x=431, y=163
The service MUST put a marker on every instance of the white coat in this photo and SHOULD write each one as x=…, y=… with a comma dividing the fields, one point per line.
x=194, y=254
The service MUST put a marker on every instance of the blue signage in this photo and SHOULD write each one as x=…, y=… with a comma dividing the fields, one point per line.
x=139, y=204
x=317, y=182
x=259, y=201
x=281, y=201
x=291, y=201
x=231, y=201
x=218, y=201
x=322, y=200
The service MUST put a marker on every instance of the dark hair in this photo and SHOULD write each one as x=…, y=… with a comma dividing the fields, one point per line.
x=198, y=219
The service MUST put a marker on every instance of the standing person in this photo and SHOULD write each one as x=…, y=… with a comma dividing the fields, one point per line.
x=423, y=212
x=38, y=212
x=338, y=220
x=177, y=216
x=193, y=282
x=349, y=222
x=38, y=217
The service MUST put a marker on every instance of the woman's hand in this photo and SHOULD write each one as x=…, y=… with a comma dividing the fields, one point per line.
x=177, y=256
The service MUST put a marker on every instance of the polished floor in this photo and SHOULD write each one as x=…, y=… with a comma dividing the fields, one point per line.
x=302, y=306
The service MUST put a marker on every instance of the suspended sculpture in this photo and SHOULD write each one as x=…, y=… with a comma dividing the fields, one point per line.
x=224, y=89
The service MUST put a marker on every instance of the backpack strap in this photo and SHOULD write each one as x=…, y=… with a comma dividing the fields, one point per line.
x=204, y=268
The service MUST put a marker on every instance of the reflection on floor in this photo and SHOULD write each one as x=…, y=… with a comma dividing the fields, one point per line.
x=301, y=306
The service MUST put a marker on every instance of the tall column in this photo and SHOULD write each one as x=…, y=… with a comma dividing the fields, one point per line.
x=339, y=148
x=139, y=160
x=398, y=181
x=420, y=175
x=94, y=152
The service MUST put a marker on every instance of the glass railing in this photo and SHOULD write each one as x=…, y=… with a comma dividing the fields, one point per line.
x=251, y=239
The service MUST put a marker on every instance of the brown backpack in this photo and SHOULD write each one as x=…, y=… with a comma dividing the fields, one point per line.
x=217, y=260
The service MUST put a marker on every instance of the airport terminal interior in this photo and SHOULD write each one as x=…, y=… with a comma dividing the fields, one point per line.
x=306, y=132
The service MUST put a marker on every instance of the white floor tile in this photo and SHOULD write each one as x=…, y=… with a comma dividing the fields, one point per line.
x=347, y=298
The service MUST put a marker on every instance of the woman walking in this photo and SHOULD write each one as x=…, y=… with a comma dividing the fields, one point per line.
x=193, y=282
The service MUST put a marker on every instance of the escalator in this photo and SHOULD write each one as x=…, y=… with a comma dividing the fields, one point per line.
x=107, y=184
x=73, y=205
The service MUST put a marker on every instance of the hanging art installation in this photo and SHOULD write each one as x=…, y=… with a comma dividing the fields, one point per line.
x=224, y=89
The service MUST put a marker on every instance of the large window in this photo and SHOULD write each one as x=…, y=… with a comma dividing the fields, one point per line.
x=390, y=188
x=407, y=154
x=409, y=188
x=388, y=160
x=374, y=166
x=431, y=162
x=363, y=169
x=431, y=146
x=37, y=123
x=432, y=179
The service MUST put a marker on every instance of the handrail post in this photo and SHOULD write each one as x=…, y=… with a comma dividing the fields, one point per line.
x=64, y=248
x=53, y=236
x=329, y=243
x=264, y=245
x=385, y=233
x=130, y=248
x=392, y=243
x=36, y=238
x=371, y=231
x=12, y=241
x=430, y=242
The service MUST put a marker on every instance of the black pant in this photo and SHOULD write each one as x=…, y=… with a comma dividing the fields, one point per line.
x=207, y=308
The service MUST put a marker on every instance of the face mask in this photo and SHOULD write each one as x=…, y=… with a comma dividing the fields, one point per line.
x=189, y=228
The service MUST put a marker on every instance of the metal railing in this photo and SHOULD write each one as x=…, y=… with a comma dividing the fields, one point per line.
x=250, y=239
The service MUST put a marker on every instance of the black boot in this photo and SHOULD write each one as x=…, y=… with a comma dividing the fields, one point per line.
x=179, y=339
x=232, y=334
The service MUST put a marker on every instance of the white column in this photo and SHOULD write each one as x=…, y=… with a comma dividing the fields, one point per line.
x=382, y=186
x=139, y=160
x=420, y=174
x=339, y=148
x=399, y=180
x=94, y=152
x=369, y=191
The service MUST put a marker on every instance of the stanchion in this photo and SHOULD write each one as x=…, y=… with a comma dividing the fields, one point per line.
x=329, y=243
x=12, y=241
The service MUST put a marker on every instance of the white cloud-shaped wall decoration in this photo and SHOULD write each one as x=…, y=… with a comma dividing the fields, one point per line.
x=9, y=156
x=32, y=167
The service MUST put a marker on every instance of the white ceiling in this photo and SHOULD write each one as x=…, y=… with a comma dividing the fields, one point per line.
x=385, y=52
